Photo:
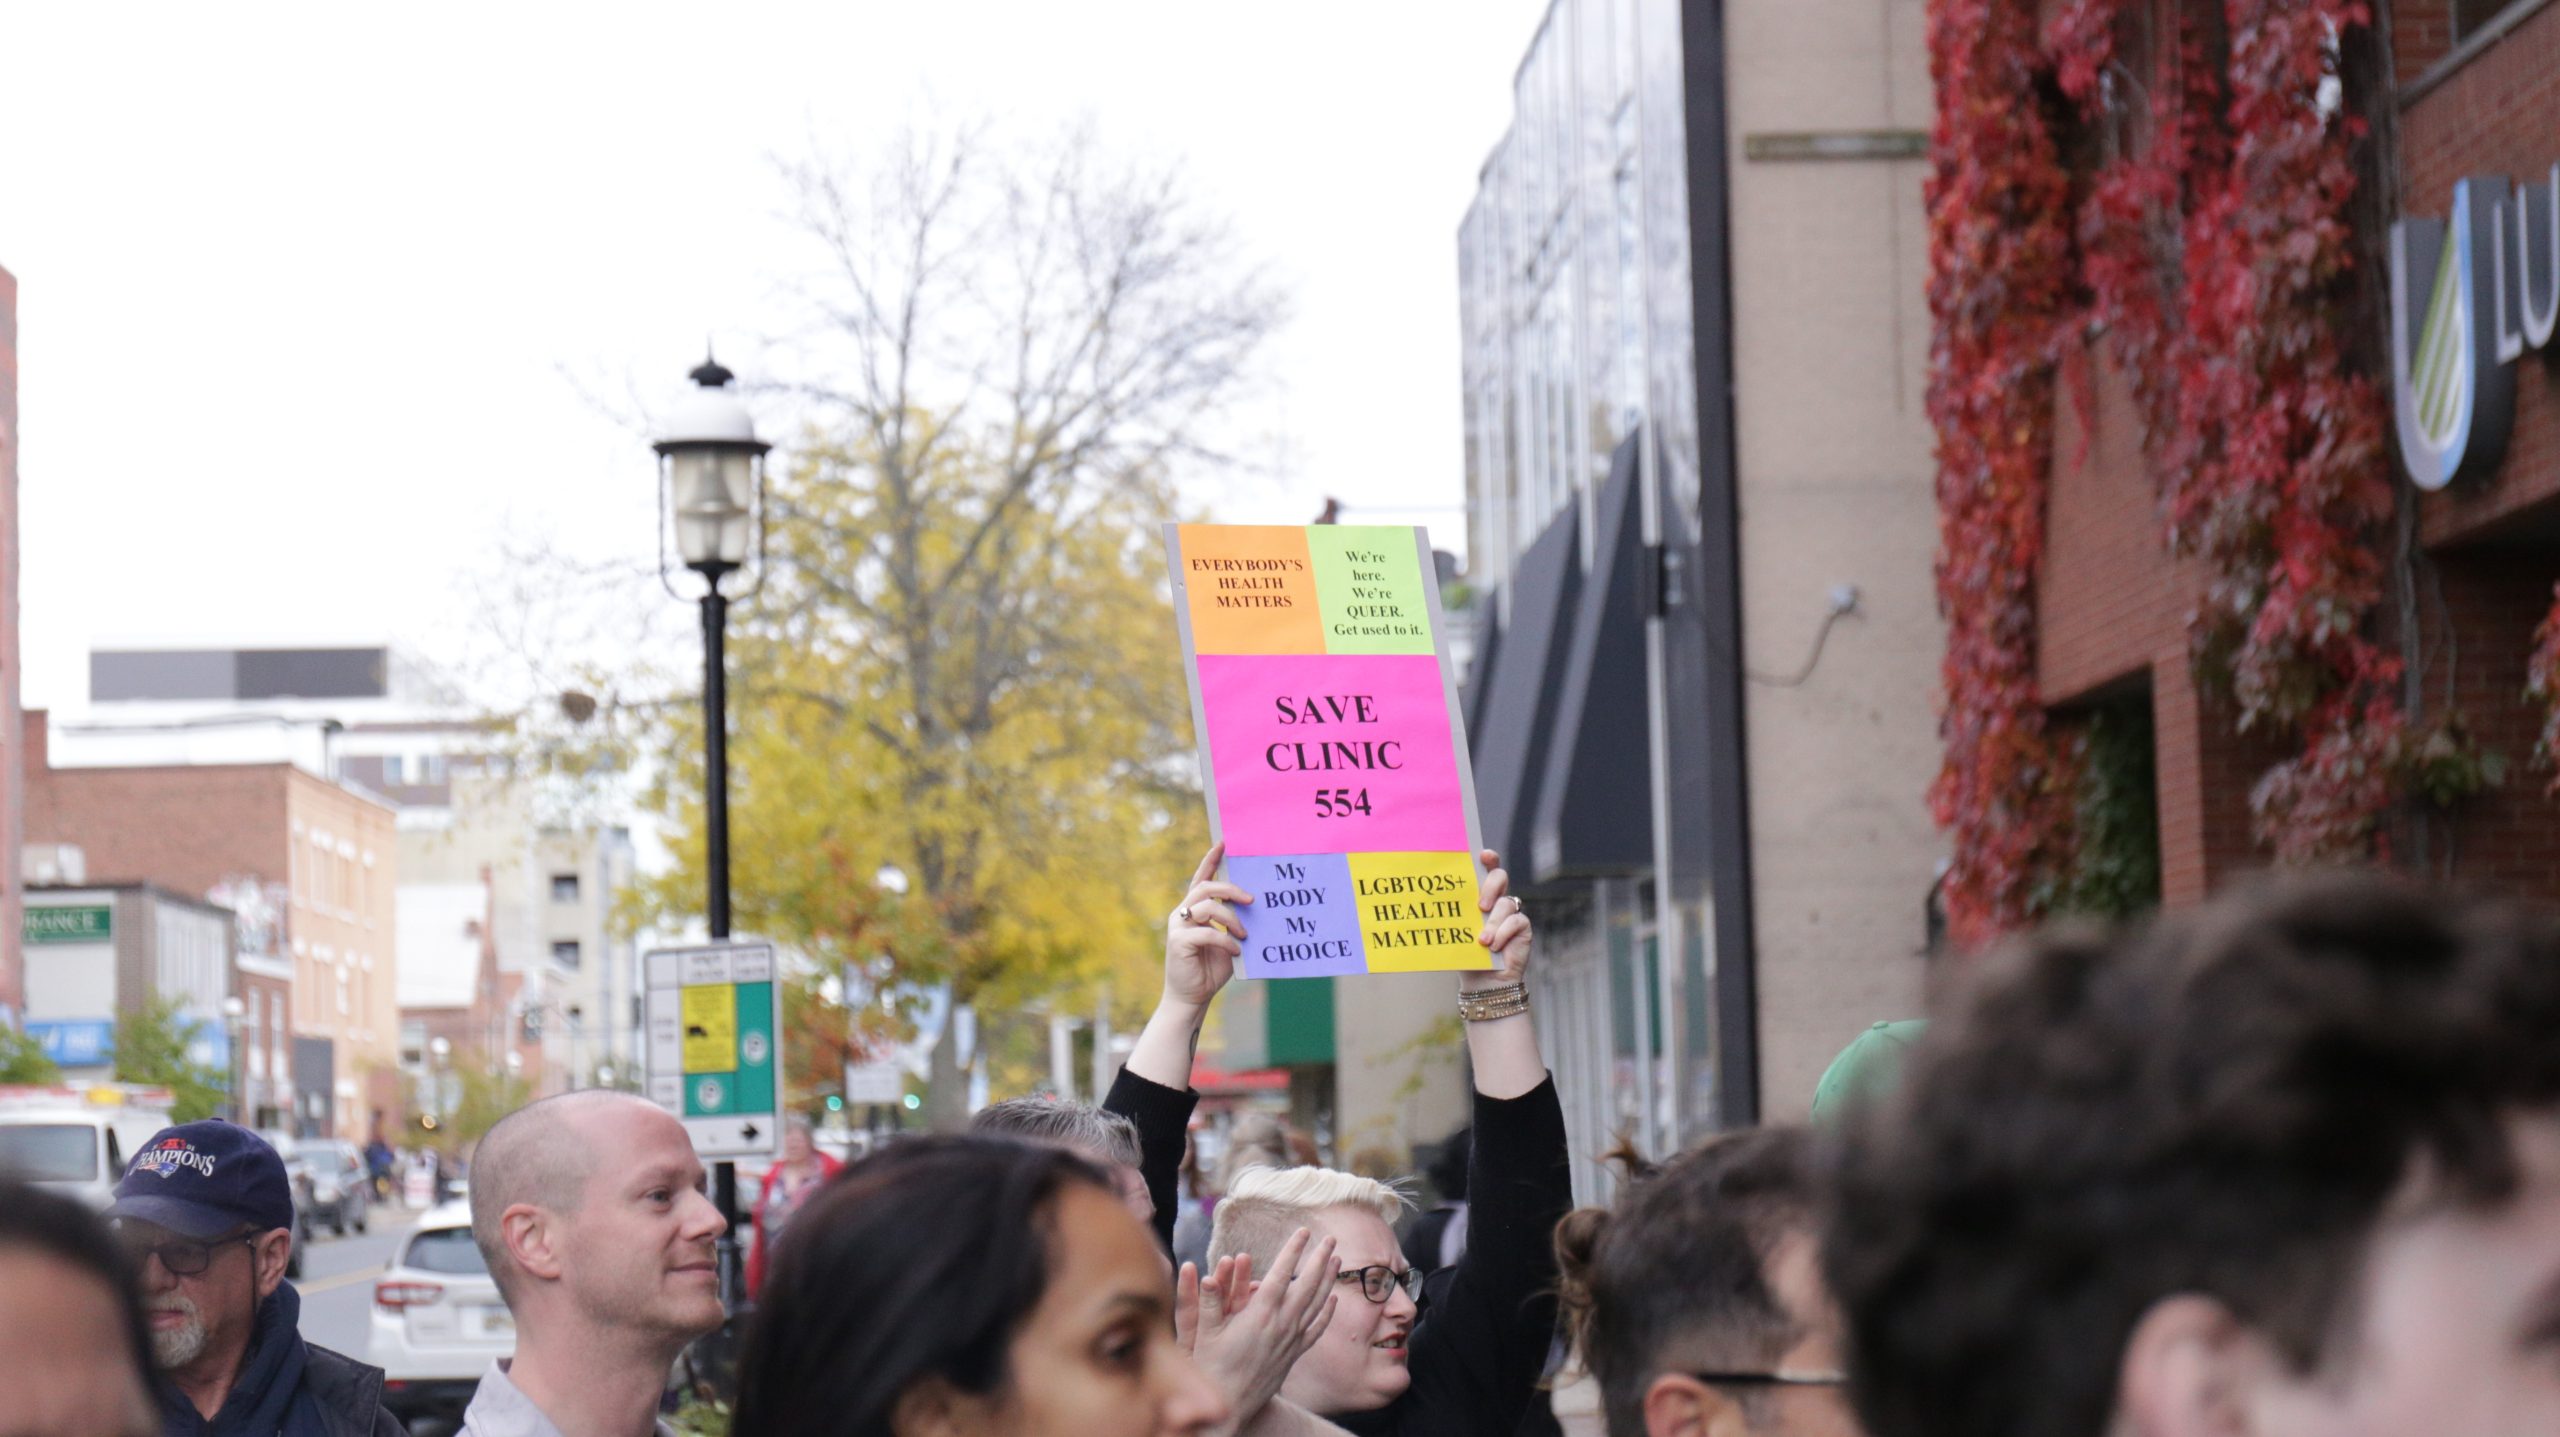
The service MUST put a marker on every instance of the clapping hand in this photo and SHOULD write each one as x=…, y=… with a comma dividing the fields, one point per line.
x=1247, y=1335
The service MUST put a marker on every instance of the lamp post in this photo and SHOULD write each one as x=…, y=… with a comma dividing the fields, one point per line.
x=439, y=1051
x=235, y=1008
x=711, y=509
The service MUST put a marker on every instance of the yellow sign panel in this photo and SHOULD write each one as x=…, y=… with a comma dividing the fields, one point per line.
x=711, y=1028
x=1418, y=911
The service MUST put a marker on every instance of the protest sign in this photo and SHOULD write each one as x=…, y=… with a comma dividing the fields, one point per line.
x=1331, y=745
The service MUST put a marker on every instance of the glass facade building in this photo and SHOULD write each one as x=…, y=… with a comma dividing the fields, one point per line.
x=1579, y=376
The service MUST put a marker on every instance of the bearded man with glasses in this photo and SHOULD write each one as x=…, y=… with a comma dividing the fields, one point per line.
x=206, y=1214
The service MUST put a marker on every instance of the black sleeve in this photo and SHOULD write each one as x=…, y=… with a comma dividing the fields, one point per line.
x=1478, y=1353
x=1162, y=1116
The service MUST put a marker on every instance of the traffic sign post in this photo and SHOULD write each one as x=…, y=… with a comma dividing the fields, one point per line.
x=715, y=1046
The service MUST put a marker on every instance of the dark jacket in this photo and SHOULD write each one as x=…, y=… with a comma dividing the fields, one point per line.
x=1487, y=1323
x=286, y=1387
x=1482, y=1340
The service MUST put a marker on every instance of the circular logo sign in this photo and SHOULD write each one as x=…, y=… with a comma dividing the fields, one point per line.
x=707, y=1092
x=752, y=1047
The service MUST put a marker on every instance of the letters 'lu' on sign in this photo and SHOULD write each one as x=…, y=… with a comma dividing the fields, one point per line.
x=1331, y=745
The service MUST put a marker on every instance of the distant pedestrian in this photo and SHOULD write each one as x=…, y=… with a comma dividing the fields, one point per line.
x=378, y=1163
x=790, y=1183
x=590, y=1211
x=2284, y=1164
x=1437, y=1236
x=72, y=1340
x=206, y=1213
x=969, y=1287
x=1697, y=1303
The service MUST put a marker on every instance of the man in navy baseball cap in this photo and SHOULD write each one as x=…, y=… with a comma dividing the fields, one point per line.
x=207, y=1214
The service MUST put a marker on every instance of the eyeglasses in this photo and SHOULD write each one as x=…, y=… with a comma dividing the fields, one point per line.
x=182, y=1258
x=1377, y=1281
x=1780, y=1378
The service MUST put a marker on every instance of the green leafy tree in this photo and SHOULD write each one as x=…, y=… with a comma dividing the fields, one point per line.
x=23, y=1060
x=151, y=1045
x=487, y=1092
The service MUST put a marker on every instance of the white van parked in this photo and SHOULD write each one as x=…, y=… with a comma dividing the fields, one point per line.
x=77, y=1140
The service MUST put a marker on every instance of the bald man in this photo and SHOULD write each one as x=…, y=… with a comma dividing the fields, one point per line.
x=589, y=1207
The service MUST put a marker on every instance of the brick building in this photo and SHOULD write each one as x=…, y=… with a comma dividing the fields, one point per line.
x=206, y=828
x=2473, y=93
x=460, y=1009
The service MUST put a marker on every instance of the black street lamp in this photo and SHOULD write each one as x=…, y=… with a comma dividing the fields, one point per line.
x=711, y=510
x=711, y=506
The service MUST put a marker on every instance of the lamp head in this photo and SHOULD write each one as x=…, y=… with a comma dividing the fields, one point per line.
x=711, y=472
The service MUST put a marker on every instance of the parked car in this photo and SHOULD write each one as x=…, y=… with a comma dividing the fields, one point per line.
x=331, y=1186
x=289, y=1148
x=438, y=1320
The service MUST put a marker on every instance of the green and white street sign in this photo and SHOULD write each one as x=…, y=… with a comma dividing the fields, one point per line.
x=715, y=1045
x=68, y=923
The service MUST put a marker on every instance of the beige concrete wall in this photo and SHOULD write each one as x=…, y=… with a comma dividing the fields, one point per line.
x=1837, y=486
x=494, y=826
x=1400, y=1075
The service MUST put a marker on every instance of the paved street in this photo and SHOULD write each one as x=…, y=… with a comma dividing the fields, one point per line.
x=337, y=1280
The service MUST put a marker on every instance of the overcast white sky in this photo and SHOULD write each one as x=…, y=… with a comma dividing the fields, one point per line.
x=299, y=285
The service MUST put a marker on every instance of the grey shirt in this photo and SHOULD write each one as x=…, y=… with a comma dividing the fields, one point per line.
x=499, y=1410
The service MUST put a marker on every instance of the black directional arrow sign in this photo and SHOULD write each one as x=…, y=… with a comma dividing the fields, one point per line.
x=750, y=1132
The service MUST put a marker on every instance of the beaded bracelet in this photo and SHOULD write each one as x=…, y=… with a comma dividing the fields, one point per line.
x=1484, y=1005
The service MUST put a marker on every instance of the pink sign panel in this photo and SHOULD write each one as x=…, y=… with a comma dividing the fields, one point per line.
x=1332, y=753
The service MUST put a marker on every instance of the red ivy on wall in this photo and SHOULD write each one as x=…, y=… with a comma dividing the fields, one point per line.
x=2215, y=252
x=2268, y=449
x=2000, y=294
x=2542, y=685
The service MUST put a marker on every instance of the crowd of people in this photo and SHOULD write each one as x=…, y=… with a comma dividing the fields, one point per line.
x=2283, y=1165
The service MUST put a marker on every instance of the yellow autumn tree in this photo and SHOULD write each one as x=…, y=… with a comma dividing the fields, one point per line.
x=962, y=660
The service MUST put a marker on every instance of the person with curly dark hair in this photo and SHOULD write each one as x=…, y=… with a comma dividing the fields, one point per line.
x=2282, y=1165
x=1697, y=1304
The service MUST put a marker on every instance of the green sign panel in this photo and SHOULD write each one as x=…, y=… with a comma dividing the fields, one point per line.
x=82, y=923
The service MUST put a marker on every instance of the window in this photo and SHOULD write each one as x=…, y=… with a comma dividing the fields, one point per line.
x=564, y=952
x=431, y=768
x=448, y=1250
x=51, y=1152
x=2471, y=16
x=564, y=888
x=392, y=774
x=342, y=993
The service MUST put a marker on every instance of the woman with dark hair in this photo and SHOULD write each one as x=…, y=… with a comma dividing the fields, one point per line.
x=969, y=1287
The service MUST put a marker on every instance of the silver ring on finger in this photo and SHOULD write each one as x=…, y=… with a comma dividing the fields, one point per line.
x=1182, y=914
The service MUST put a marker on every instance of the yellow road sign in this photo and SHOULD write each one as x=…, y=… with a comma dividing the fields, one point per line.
x=711, y=1029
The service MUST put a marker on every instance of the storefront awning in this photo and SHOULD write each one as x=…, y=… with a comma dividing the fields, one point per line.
x=1512, y=702
x=1594, y=812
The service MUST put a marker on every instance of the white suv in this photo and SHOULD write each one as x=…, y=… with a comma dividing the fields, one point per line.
x=437, y=1319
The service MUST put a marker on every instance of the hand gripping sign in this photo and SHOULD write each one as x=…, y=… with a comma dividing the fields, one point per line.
x=1332, y=746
